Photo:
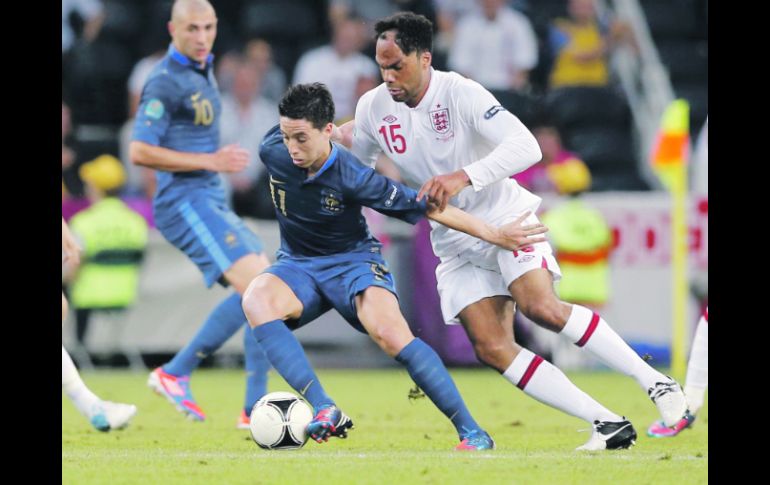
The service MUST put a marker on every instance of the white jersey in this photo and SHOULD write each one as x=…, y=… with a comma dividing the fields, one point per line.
x=456, y=123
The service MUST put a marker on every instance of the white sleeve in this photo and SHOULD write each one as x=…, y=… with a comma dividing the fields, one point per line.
x=365, y=145
x=516, y=148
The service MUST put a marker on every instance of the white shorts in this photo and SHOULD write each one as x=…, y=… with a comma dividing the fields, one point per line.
x=485, y=270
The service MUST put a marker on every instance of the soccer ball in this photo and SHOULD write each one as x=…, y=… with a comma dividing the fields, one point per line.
x=279, y=421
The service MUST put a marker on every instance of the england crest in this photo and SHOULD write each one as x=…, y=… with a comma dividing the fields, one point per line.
x=439, y=120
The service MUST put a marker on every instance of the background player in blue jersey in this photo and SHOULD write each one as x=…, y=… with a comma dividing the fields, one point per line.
x=177, y=133
x=329, y=259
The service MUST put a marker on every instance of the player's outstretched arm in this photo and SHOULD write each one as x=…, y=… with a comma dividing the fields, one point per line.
x=343, y=134
x=229, y=158
x=511, y=236
x=395, y=199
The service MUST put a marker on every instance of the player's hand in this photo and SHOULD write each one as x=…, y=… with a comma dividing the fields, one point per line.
x=514, y=236
x=441, y=188
x=231, y=158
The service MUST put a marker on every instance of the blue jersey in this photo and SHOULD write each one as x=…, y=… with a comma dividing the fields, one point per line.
x=321, y=215
x=179, y=110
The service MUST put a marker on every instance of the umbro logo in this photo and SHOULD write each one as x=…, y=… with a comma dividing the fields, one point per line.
x=493, y=111
x=389, y=119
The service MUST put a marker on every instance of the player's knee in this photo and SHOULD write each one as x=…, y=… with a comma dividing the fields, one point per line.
x=385, y=339
x=545, y=312
x=491, y=352
x=248, y=305
x=390, y=338
x=258, y=305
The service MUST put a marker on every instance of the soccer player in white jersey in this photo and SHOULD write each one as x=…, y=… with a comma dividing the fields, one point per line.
x=695, y=383
x=452, y=138
x=103, y=415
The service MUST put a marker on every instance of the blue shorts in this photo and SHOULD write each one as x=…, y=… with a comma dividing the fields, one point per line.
x=209, y=233
x=325, y=282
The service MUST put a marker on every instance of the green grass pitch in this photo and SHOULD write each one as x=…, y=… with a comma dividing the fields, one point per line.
x=395, y=441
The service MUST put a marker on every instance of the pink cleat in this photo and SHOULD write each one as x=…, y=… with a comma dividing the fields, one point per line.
x=177, y=390
x=658, y=430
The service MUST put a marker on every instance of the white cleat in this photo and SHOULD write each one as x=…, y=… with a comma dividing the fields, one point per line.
x=107, y=415
x=670, y=400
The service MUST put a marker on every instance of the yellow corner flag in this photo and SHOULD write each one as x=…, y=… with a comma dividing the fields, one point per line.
x=669, y=161
x=672, y=145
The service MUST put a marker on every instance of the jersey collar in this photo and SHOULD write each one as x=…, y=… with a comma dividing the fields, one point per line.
x=426, y=100
x=328, y=163
x=184, y=60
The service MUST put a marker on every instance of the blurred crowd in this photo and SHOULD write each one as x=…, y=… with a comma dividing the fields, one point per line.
x=547, y=61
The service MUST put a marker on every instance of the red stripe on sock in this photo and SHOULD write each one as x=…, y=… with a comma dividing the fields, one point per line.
x=536, y=361
x=589, y=331
x=544, y=264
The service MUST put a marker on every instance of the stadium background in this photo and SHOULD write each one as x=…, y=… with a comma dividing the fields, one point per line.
x=611, y=128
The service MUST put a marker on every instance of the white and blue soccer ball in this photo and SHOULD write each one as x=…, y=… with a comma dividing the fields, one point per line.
x=279, y=421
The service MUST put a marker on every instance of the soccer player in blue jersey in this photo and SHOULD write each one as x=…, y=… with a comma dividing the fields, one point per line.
x=329, y=259
x=177, y=133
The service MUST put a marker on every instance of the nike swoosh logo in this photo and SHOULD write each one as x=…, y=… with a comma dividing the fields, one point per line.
x=195, y=96
x=303, y=391
x=609, y=436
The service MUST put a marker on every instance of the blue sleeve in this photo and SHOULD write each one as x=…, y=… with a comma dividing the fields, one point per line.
x=382, y=194
x=269, y=145
x=158, y=102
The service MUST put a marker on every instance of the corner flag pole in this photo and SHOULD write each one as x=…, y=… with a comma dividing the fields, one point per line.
x=669, y=161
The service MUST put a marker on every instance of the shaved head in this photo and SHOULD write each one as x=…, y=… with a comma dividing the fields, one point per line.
x=193, y=28
x=182, y=7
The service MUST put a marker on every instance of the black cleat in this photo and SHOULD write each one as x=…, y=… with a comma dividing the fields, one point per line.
x=610, y=435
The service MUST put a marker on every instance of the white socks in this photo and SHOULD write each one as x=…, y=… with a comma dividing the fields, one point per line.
x=698, y=368
x=546, y=383
x=73, y=385
x=588, y=330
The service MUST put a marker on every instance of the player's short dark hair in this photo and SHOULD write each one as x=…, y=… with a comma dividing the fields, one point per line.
x=312, y=102
x=414, y=32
